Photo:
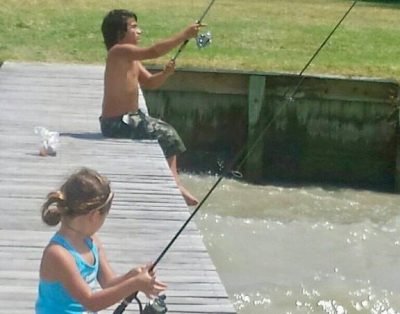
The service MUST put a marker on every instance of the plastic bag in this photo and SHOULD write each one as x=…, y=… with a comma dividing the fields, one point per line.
x=49, y=141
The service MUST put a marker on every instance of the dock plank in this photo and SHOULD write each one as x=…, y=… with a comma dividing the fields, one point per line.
x=148, y=208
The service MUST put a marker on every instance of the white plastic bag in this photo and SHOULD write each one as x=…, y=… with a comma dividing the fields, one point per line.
x=49, y=141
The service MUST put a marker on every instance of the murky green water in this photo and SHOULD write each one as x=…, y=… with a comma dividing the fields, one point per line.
x=302, y=249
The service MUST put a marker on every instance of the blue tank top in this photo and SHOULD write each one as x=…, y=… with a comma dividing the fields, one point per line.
x=53, y=298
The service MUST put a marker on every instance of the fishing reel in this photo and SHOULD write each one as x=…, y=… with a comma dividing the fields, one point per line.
x=203, y=40
x=157, y=306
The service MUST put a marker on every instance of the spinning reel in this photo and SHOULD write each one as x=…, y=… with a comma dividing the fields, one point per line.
x=203, y=40
x=157, y=306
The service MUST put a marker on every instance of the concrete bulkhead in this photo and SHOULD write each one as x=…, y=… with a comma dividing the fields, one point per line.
x=334, y=130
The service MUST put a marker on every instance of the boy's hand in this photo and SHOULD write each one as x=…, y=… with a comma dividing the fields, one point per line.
x=169, y=68
x=193, y=30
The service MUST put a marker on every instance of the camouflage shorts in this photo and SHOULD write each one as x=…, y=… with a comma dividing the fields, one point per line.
x=139, y=127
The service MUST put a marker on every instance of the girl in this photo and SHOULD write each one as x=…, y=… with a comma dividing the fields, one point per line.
x=74, y=259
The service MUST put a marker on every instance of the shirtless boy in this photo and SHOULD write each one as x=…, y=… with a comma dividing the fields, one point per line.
x=121, y=117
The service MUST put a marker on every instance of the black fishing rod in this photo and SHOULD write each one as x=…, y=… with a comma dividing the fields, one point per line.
x=198, y=22
x=121, y=308
x=241, y=157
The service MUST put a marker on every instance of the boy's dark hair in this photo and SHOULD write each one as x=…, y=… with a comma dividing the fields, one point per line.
x=115, y=25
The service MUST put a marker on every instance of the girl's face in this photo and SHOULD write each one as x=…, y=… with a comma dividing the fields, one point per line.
x=133, y=32
x=97, y=219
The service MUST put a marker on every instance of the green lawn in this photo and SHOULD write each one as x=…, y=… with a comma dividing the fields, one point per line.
x=261, y=35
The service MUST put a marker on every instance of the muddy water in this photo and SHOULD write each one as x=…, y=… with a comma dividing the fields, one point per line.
x=302, y=249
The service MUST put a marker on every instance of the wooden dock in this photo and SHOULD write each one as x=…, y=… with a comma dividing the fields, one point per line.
x=147, y=210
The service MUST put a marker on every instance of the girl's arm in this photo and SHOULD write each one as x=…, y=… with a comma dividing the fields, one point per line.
x=149, y=80
x=107, y=277
x=63, y=269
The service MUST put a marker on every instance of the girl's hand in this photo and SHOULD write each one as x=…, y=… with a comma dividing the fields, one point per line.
x=148, y=283
x=134, y=272
x=137, y=270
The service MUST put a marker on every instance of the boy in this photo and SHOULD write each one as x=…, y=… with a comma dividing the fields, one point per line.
x=121, y=117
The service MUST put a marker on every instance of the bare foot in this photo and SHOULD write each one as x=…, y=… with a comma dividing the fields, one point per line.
x=189, y=198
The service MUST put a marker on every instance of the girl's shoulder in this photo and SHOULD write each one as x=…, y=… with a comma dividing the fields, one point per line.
x=55, y=259
x=55, y=252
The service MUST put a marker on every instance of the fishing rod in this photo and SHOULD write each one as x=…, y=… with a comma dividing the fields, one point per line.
x=238, y=162
x=121, y=308
x=197, y=22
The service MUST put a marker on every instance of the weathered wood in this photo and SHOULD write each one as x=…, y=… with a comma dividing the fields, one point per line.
x=148, y=208
x=335, y=130
x=255, y=147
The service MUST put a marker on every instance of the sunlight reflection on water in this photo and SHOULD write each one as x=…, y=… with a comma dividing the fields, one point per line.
x=302, y=249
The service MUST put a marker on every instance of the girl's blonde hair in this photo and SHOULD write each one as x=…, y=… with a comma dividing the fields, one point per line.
x=84, y=191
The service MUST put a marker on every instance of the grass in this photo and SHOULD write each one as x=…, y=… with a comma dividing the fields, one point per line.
x=251, y=35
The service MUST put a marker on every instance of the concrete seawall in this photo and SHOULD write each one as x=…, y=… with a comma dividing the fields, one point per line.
x=335, y=130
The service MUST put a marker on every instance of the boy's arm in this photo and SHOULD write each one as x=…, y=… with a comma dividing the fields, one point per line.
x=133, y=52
x=150, y=81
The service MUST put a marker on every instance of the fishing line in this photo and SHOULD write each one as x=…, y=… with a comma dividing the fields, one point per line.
x=290, y=98
x=242, y=156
